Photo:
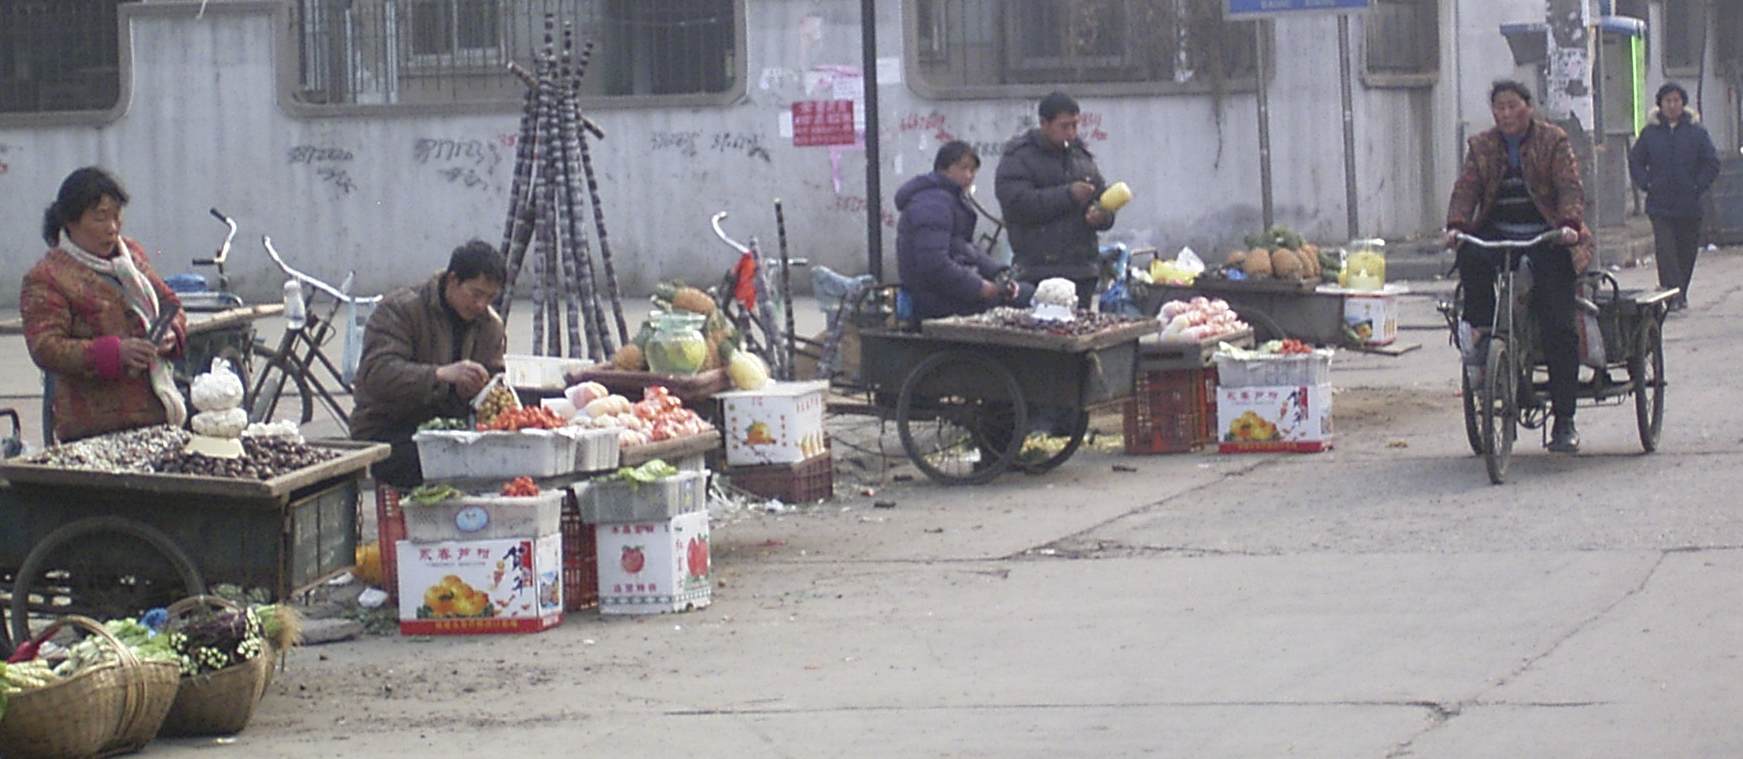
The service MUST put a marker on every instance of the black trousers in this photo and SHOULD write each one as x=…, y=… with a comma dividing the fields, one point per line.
x=402, y=468
x=1678, y=242
x=1552, y=302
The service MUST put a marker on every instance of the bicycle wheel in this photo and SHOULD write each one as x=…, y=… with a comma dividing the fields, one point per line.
x=967, y=434
x=272, y=400
x=1647, y=372
x=106, y=567
x=1077, y=430
x=1473, y=413
x=1500, y=409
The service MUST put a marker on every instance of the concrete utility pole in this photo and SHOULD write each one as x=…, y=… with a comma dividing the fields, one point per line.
x=1568, y=102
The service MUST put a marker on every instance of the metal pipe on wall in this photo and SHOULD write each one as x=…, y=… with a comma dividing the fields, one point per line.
x=874, y=204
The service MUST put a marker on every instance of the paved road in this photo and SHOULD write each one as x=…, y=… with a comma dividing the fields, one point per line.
x=1382, y=600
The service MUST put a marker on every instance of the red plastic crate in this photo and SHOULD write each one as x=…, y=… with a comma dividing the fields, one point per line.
x=389, y=531
x=1171, y=411
x=580, y=570
x=810, y=480
x=1208, y=431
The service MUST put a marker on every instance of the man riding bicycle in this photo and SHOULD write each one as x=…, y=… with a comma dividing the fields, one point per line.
x=1521, y=179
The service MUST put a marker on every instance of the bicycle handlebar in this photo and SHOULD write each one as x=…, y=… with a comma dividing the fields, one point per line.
x=336, y=293
x=720, y=233
x=223, y=253
x=1549, y=236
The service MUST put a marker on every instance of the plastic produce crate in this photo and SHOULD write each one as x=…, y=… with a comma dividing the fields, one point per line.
x=486, y=517
x=810, y=480
x=580, y=557
x=390, y=530
x=613, y=501
x=496, y=455
x=1171, y=411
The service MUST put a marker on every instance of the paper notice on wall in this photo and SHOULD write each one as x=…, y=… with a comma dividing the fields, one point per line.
x=889, y=71
x=784, y=125
x=836, y=82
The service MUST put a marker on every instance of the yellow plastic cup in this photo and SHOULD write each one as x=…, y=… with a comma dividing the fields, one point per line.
x=1115, y=197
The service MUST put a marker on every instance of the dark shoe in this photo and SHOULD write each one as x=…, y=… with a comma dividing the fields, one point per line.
x=1563, y=438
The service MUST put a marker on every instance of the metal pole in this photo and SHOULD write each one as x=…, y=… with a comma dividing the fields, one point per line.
x=1350, y=199
x=874, y=204
x=1264, y=124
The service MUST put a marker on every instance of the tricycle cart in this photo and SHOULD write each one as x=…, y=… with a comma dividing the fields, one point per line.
x=964, y=395
x=115, y=544
x=1511, y=388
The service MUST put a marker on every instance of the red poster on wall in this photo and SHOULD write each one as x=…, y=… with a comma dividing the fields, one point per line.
x=823, y=122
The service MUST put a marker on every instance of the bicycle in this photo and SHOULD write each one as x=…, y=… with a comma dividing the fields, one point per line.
x=300, y=352
x=743, y=296
x=1510, y=396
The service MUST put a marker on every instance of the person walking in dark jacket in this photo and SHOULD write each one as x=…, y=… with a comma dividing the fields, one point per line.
x=944, y=274
x=1674, y=163
x=1046, y=183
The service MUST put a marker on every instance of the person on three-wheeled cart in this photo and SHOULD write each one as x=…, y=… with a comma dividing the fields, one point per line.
x=1521, y=179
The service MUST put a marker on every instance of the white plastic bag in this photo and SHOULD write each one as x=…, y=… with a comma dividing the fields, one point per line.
x=1189, y=261
x=217, y=390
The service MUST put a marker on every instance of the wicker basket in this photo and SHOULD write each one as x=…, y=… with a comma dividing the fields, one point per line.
x=107, y=709
x=221, y=702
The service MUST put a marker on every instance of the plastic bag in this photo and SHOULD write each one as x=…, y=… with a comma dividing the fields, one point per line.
x=1189, y=262
x=217, y=390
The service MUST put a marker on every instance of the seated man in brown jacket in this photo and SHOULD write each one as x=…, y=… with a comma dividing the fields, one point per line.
x=427, y=350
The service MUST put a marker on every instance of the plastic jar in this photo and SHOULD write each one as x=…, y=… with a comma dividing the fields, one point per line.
x=677, y=346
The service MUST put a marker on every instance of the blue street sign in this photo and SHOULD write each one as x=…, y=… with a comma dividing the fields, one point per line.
x=1236, y=10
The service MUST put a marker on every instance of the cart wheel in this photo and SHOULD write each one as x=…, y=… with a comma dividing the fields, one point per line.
x=1473, y=410
x=1265, y=328
x=1073, y=440
x=102, y=567
x=964, y=437
x=1500, y=409
x=1647, y=372
x=281, y=392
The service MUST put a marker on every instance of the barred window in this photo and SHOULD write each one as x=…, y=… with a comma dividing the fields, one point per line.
x=58, y=55
x=1402, y=37
x=419, y=52
x=1685, y=30
x=991, y=48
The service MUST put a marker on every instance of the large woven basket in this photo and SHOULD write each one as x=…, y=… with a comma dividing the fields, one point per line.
x=107, y=709
x=221, y=702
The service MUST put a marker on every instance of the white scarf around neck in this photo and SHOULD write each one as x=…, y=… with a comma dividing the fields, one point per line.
x=142, y=301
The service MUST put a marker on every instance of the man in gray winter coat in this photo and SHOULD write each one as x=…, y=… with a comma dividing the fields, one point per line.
x=1674, y=163
x=1047, y=183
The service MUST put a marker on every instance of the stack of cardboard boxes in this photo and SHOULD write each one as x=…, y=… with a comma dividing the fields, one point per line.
x=775, y=443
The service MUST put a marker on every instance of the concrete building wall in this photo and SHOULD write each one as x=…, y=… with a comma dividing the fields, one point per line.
x=388, y=194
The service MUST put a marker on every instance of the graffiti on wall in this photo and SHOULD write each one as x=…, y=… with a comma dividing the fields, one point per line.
x=467, y=163
x=691, y=143
x=856, y=204
x=328, y=164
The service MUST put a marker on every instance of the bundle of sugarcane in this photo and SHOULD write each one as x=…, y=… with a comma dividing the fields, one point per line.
x=546, y=210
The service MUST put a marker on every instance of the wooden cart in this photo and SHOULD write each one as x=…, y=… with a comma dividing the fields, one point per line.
x=113, y=545
x=960, y=392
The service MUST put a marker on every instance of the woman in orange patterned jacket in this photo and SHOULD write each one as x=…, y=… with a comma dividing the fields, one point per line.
x=88, y=307
x=1521, y=179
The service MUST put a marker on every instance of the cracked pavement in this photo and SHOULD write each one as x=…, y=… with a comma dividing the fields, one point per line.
x=1380, y=600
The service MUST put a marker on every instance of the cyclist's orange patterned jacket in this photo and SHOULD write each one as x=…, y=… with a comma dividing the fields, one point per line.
x=74, y=319
x=1552, y=174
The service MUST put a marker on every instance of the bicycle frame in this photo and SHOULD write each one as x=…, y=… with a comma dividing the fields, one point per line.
x=760, y=311
x=300, y=350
